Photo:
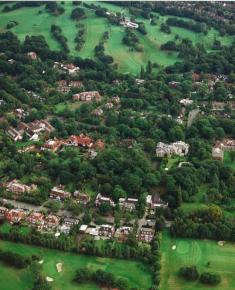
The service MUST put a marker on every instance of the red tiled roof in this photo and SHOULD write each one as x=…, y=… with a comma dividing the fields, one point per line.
x=81, y=140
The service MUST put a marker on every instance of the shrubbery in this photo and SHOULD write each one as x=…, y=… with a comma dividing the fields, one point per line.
x=13, y=259
x=210, y=278
x=191, y=273
x=100, y=277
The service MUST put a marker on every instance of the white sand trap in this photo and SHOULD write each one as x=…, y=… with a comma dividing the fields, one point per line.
x=173, y=247
x=49, y=279
x=59, y=267
x=221, y=243
x=41, y=262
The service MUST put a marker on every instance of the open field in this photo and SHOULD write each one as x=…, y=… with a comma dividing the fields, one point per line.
x=128, y=61
x=67, y=105
x=136, y=273
x=198, y=202
x=199, y=253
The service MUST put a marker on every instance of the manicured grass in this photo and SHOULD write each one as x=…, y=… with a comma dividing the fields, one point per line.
x=13, y=279
x=137, y=274
x=199, y=253
x=128, y=61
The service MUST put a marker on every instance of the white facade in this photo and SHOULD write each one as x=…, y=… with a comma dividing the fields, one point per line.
x=179, y=148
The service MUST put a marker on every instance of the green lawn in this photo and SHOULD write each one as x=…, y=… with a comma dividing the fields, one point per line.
x=199, y=253
x=67, y=105
x=136, y=273
x=39, y=24
x=13, y=279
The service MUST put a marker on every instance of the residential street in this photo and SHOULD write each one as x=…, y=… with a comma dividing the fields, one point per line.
x=31, y=207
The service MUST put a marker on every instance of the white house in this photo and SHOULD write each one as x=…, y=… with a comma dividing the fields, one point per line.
x=179, y=148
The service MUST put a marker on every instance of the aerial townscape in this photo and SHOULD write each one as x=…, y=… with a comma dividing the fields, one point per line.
x=117, y=145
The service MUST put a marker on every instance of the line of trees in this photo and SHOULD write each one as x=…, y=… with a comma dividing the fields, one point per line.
x=197, y=27
x=101, y=277
x=57, y=33
x=64, y=243
x=129, y=250
x=204, y=224
x=14, y=259
x=155, y=262
x=80, y=37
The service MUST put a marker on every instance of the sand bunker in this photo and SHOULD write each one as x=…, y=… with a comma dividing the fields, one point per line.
x=173, y=247
x=59, y=267
x=41, y=262
x=49, y=279
x=221, y=243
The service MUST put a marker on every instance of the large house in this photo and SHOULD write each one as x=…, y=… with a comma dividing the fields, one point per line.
x=14, y=134
x=32, y=130
x=128, y=203
x=87, y=96
x=81, y=197
x=129, y=24
x=218, y=107
x=146, y=234
x=19, y=113
x=122, y=233
x=103, y=200
x=228, y=144
x=67, y=225
x=58, y=192
x=36, y=219
x=80, y=140
x=154, y=201
x=179, y=148
x=52, y=145
x=217, y=153
x=16, y=186
x=64, y=86
x=106, y=231
x=70, y=68
x=51, y=222
x=218, y=149
x=15, y=216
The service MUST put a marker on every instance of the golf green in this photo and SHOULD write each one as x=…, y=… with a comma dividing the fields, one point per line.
x=221, y=259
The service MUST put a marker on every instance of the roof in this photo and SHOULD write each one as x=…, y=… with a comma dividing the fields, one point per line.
x=83, y=228
x=82, y=140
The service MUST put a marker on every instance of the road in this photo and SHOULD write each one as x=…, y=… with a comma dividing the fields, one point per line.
x=31, y=207
x=192, y=115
